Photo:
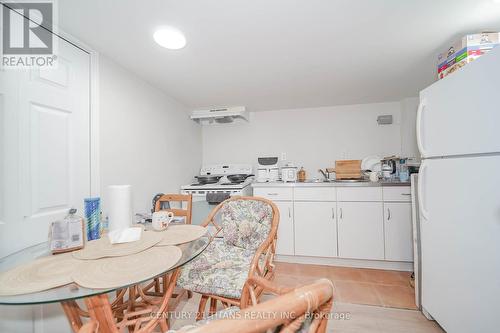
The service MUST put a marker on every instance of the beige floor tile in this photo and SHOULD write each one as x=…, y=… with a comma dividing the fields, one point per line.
x=346, y=274
x=356, y=292
x=385, y=277
x=396, y=296
x=365, y=318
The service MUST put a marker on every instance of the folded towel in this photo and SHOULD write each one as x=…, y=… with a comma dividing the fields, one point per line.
x=125, y=235
x=216, y=198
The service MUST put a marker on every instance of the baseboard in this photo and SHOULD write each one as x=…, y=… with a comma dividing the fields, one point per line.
x=357, y=263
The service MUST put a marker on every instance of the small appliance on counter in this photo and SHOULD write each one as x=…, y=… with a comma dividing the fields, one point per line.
x=289, y=173
x=390, y=167
x=268, y=170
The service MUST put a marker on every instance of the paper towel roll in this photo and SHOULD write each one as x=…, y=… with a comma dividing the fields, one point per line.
x=119, y=204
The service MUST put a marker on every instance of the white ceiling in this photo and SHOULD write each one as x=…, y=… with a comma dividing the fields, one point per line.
x=277, y=54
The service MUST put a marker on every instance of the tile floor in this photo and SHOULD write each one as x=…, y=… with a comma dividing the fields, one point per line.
x=354, y=285
x=372, y=301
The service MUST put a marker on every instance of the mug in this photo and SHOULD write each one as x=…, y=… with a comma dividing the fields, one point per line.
x=161, y=220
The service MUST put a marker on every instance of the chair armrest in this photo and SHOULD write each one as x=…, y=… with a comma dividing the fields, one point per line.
x=268, y=286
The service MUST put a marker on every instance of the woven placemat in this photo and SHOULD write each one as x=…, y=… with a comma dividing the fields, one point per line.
x=102, y=248
x=122, y=271
x=179, y=234
x=39, y=275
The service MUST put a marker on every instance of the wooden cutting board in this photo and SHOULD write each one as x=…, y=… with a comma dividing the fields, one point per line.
x=348, y=169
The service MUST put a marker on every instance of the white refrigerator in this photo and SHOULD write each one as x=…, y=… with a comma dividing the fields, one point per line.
x=458, y=134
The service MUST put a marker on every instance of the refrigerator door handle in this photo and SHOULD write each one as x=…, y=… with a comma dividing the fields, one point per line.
x=420, y=111
x=421, y=179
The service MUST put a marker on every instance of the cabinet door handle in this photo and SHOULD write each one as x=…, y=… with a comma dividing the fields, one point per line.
x=341, y=214
x=333, y=213
x=272, y=194
x=388, y=214
x=407, y=194
x=289, y=212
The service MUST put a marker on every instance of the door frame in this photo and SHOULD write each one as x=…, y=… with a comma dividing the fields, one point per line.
x=95, y=182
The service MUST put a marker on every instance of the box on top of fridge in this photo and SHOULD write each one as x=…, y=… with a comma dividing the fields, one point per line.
x=465, y=50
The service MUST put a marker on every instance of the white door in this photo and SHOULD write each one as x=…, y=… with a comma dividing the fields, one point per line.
x=398, y=231
x=285, y=245
x=460, y=235
x=315, y=229
x=44, y=165
x=360, y=230
x=45, y=147
x=459, y=114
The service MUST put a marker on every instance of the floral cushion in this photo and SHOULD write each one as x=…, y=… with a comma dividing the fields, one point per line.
x=221, y=269
x=246, y=223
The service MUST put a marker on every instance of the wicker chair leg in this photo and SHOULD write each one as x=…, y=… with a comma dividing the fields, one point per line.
x=164, y=325
x=201, y=307
x=157, y=285
x=213, y=306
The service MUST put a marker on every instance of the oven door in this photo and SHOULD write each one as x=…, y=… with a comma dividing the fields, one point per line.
x=200, y=208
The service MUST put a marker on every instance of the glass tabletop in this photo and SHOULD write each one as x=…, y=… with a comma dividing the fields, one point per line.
x=72, y=291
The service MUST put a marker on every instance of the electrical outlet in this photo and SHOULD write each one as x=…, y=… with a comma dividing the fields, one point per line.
x=283, y=156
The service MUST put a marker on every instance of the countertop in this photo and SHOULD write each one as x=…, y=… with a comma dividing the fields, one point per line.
x=331, y=184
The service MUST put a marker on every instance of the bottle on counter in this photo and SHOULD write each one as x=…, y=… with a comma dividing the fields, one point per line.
x=404, y=174
x=301, y=175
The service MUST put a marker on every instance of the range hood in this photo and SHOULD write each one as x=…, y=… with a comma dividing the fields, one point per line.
x=220, y=115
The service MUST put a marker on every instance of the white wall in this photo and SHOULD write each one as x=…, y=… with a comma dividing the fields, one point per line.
x=146, y=138
x=313, y=138
x=408, y=127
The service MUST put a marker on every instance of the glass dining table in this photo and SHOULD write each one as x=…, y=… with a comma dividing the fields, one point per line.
x=134, y=305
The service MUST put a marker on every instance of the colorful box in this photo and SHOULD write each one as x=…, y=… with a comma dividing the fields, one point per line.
x=465, y=50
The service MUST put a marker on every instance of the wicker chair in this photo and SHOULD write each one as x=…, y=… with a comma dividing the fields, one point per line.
x=305, y=309
x=159, y=285
x=248, y=226
x=90, y=327
x=186, y=199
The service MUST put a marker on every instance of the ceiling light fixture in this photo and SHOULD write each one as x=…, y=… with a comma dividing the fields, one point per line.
x=170, y=38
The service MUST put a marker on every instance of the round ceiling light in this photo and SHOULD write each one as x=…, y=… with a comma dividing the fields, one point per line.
x=170, y=38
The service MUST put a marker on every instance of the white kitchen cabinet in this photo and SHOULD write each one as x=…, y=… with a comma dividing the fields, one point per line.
x=369, y=193
x=360, y=230
x=285, y=243
x=315, y=194
x=274, y=193
x=398, y=231
x=397, y=193
x=315, y=229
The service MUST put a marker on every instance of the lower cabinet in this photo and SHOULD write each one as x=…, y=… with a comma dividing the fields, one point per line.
x=315, y=229
x=370, y=223
x=398, y=231
x=285, y=244
x=360, y=230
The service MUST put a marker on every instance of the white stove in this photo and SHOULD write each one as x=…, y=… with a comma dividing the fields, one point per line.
x=223, y=185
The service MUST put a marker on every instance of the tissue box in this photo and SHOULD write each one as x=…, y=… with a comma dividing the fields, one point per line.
x=465, y=50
